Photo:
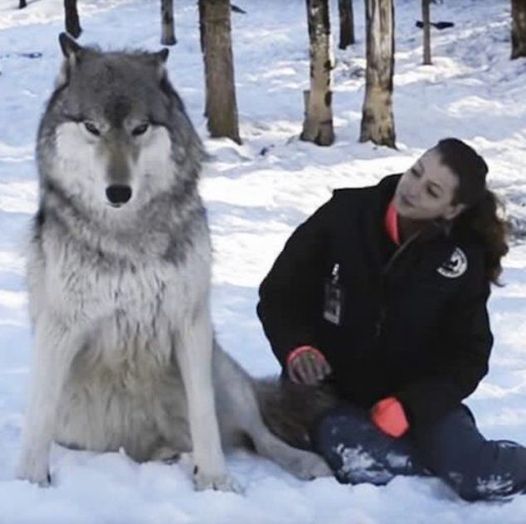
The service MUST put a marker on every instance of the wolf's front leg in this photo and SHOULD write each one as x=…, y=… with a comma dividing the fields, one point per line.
x=194, y=354
x=55, y=348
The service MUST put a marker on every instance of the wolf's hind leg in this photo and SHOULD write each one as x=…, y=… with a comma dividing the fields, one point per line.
x=240, y=412
x=305, y=465
x=300, y=463
x=166, y=454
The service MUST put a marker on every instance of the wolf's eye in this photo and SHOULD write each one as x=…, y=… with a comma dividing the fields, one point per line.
x=140, y=130
x=92, y=128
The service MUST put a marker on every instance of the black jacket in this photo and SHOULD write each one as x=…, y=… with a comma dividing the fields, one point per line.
x=414, y=322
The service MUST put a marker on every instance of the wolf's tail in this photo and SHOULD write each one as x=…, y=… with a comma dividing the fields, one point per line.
x=291, y=410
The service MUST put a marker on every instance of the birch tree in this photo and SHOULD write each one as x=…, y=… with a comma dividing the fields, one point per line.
x=377, y=112
x=426, y=19
x=216, y=41
x=72, y=20
x=317, y=125
x=518, y=28
x=167, y=23
x=346, y=23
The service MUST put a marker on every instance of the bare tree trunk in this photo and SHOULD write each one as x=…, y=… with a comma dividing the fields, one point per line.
x=72, y=18
x=377, y=112
x=22, y=4
x=220, y=105
x=167, y=23
x=518, y=28
x=201, y=7
x=346, y=23
x=317, y=126
x=426, y=19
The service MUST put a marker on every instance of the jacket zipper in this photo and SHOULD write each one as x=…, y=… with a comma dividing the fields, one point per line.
x=390, y=263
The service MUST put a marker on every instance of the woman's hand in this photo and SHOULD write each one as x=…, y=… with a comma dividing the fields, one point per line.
x=307, y=365
x=389, y=416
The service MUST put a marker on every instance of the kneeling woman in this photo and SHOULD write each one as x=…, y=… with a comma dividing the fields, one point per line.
x=383, y=292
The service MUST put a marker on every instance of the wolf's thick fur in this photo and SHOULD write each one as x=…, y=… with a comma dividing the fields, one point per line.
x=118, y=278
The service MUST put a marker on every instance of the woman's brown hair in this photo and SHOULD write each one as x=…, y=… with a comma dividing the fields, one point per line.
x=481, y=216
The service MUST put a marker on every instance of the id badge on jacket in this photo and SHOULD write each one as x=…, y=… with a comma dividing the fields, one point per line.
x=333, y=298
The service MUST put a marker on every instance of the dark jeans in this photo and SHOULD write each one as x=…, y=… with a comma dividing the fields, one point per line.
x=451, y=448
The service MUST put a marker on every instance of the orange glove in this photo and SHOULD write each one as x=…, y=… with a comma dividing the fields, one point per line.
x=389, y=416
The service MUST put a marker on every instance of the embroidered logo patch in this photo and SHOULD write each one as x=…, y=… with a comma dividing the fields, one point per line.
x=455, y=266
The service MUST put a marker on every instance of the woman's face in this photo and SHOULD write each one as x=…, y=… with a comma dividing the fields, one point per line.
x=426, y=191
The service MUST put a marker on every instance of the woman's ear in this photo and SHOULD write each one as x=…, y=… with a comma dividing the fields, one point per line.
x=453, y=211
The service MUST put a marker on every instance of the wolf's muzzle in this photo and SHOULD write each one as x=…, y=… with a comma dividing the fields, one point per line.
x=118, y=194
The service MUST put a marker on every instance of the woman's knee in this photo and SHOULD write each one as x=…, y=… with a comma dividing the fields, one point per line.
x=341, y=438
x=357, y=451
x=339, y=425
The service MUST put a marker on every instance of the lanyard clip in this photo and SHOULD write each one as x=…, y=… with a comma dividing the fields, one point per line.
x=335, y=273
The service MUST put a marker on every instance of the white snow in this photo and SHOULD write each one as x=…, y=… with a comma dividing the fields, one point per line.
x=255, y=200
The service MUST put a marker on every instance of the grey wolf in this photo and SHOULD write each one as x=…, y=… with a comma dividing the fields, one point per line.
x=119, y=282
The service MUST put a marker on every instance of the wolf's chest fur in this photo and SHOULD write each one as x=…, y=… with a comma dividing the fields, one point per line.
x=130, y=296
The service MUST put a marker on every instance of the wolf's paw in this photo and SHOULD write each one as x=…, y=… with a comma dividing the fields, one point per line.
x=319, y=468
x=167, y=455
x=308, y=466
x=224, y=482
x=35, y=472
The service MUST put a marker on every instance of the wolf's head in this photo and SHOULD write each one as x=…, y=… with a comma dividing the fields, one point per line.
x=115, y=134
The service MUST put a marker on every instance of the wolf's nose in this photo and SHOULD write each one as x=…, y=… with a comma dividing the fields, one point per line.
x=118, y=194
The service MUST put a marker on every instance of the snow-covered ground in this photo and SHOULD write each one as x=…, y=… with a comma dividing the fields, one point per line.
x=256, y=194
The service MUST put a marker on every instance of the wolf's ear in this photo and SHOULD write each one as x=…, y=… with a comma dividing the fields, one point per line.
x=69, y=47
x=162, y=56
x=71, y=51
x=160, y=59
